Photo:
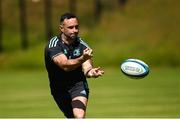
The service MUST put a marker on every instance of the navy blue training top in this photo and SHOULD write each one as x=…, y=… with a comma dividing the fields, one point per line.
x=61, y=80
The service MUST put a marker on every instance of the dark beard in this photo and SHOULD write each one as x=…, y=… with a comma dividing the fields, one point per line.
x=73, y=38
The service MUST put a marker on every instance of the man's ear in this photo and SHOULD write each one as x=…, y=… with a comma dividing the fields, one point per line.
x=61, y=27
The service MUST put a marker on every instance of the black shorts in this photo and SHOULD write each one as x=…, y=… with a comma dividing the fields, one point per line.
x=64, y=100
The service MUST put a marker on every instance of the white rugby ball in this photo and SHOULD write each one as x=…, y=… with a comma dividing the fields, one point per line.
x=135, y=68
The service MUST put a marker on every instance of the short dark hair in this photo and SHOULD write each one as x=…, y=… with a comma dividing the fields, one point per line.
x=67, y=16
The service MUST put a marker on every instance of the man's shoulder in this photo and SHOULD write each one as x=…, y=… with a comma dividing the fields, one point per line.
x=82, y=42
x=53, y=42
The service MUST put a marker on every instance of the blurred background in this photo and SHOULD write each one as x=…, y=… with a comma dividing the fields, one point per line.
x=116, y=30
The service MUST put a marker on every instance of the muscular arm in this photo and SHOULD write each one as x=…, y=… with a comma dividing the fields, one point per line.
x=89, y=71
x=70, y=64
x=87, y=66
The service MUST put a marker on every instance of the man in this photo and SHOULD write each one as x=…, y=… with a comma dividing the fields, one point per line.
x=68, y=62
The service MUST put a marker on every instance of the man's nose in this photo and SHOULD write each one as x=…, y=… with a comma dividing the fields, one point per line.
x=75, y=29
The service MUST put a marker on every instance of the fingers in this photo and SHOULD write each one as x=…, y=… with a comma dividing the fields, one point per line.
x=87, y=53
x=97, y=72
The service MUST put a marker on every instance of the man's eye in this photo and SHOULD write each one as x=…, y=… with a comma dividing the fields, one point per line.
x=71, y=27
x=76, y=27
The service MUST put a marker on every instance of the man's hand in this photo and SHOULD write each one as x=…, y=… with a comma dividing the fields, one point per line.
x=87, y=54
x=70, y=64
x=95, y=72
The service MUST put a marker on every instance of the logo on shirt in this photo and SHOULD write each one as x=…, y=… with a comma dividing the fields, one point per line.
x=65, y=52
x=83, y=92
x=76, y=52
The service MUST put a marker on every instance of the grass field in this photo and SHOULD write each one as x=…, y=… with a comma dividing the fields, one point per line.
x=26, y=94
x=147, y=30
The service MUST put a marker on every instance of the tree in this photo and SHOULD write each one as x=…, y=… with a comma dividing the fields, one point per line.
x=98, y=9
x=23, y=24
x=48, y=16
x=72, y=6
x=1, y=47
x=122, y=4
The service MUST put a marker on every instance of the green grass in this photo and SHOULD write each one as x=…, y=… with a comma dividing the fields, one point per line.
x=26, y=94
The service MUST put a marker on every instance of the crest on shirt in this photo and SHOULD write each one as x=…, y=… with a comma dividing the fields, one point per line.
x=76, y=52
x=65, y=52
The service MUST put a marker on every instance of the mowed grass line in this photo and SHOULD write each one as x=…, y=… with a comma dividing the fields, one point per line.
x=26, y=94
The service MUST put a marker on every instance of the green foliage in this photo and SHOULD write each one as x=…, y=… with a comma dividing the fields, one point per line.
x=145, y=30
x=148, y=30
x=32, y=58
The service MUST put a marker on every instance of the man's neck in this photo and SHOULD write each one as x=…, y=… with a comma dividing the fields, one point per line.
x=66, y=40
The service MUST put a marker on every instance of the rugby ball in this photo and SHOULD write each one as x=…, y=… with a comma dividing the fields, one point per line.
x=135, y=68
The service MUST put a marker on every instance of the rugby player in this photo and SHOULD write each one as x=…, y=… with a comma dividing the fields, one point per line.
x=68, y=61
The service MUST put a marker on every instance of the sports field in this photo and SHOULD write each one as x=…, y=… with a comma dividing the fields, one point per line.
x=26, y=94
